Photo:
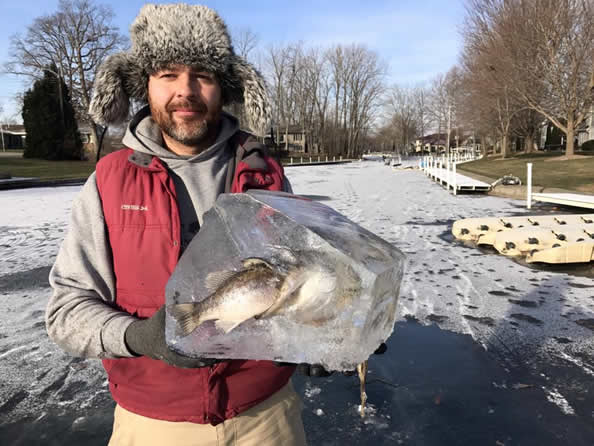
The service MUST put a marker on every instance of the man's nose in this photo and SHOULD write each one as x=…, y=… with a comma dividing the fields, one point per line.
x=187, y=86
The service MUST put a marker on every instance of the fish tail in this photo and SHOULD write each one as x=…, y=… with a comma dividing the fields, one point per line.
x=186, y=317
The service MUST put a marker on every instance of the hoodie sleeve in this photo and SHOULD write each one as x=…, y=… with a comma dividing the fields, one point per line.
x=81, y=316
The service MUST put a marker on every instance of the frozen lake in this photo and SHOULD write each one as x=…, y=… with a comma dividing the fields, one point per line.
x=486, y=350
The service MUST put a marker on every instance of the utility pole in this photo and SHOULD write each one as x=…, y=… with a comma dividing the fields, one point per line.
x=449, y=129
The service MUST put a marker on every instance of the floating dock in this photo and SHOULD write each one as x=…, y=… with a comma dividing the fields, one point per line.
x=544, y=238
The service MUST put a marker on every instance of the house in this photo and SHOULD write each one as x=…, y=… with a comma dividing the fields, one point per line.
x=470, y=143
x=12, y=137
x=585, y=131
x=295, y=138
x=551, y=138
x=435, y=142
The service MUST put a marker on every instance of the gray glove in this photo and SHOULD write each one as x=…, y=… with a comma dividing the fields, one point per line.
x=146, y=337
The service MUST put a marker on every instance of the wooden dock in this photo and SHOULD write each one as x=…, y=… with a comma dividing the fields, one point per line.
x=443, y=170
x=576, y=200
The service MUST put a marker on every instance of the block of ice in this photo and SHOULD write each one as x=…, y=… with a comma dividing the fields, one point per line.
x=274, y=276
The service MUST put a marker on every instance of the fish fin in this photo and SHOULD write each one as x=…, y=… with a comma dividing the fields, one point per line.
x=227, y=326
x=254, y=261
x=216, y=279
x=185, y=316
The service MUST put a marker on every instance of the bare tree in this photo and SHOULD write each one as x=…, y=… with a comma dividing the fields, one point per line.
x=339, y=75
x=489, y=90
x=319, y=88
x=542, y=51
x=357, y=78
x=421, y=101
x=245, y=42
x=75, y=39
x=403, y=114
x=527, y=126
x=332, y=95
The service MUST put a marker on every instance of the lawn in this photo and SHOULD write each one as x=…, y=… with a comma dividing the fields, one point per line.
x=45, y=170
x=575, y=174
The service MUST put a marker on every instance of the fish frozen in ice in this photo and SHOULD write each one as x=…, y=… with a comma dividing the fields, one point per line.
x=274, y=276
x=308, y=286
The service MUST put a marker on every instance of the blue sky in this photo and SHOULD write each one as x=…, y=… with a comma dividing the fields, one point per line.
x=418, y=39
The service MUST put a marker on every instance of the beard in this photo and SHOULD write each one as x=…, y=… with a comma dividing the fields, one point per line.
x=188, y=131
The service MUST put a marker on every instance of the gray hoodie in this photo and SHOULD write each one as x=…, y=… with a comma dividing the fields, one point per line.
x=81, y=315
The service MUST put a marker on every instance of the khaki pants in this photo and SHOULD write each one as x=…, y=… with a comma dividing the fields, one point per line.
x=275, y=421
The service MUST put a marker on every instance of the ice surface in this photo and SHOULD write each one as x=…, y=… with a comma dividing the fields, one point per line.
x=349, y=280
x=446, y=284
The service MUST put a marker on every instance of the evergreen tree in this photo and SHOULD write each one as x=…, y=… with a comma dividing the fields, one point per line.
x=49, y=119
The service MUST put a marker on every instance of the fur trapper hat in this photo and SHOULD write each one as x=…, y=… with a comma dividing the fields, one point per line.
x=191, y=35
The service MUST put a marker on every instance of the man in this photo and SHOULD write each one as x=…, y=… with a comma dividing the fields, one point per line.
x=137, y=213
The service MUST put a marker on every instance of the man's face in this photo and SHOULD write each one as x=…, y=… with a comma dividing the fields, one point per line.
x=186, y=104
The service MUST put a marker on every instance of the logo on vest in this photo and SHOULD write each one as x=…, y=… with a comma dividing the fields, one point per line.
x=133, y=207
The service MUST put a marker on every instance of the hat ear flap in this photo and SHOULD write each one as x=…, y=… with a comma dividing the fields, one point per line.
x=255, y=96
x=118, y=79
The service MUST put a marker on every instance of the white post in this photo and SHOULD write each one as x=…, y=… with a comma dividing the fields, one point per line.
x=529, y=186
x=448, y=178
x=310, y=159
x=439, y=169
x=326, y=158
x=318, y=158
x=291, y=160
x=340, y=157
x=2, y=133
x=455, y=180
x=301, y=160
x=334, y=158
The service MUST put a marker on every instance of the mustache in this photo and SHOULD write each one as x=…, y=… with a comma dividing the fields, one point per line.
x=187, y=105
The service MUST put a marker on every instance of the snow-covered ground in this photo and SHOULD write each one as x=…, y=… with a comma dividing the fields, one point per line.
x=500, y=303
x=486, y=349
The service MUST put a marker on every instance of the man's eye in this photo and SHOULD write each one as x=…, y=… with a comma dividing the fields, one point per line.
x=167, y=75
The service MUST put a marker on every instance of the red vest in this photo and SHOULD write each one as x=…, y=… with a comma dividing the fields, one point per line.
x=142, y=219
